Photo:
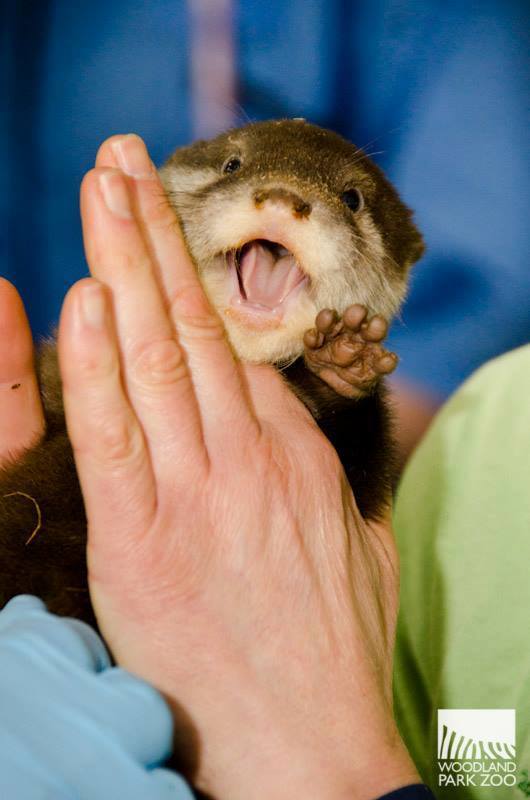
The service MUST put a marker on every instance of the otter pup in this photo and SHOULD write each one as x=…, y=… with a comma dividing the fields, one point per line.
x=303, y=247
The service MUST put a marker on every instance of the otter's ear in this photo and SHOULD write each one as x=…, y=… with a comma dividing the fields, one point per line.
x=414, y=248
x=394, y=221
x=402, y=238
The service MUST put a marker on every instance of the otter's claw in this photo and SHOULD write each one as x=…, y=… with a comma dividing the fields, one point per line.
x=345, y=352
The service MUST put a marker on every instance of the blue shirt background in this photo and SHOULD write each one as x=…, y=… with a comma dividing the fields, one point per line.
x=439, y=87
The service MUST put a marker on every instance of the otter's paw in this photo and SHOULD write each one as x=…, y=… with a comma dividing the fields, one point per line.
x=345, y=352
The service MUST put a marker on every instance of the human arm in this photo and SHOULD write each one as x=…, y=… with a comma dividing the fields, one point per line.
x=227, y=510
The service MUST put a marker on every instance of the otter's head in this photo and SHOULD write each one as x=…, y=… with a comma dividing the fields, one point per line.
x=284, y=219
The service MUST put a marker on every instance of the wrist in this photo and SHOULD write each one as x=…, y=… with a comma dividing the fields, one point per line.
x=370, y=770
x=385, y=768
x=371, y=773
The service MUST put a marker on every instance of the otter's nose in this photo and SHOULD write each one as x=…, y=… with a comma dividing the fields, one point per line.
x=277, y=194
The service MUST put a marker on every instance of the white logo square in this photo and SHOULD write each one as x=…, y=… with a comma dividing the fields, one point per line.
x=476, y=733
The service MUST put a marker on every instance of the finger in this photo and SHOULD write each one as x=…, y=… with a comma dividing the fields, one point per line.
x=106, y=157
x=110, y=452
x=25, y=617
x=157, y=378
x=129, y=154
x=21, y=413
x=171, y=785
x=214, y=371
x=136, y=715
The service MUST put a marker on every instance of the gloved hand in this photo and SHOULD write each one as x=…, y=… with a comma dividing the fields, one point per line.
x=71, y=725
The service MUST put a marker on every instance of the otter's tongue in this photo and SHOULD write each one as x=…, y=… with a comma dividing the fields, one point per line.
x=267, y=279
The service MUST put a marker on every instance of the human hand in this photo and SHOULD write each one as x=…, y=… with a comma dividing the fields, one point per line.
x=72, y=725
x=21, y=414
x=228, y=563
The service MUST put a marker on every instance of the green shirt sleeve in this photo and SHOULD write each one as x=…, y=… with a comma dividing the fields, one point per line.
x=462, y=522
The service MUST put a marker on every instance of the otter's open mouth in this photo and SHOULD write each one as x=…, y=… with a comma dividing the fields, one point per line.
x=266, y=277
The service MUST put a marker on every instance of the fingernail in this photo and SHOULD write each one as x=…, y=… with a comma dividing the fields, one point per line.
x=93, y=305
x=115, y=194
x=131, y=155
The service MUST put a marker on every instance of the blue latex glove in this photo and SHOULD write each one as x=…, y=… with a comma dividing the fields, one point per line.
x=71, y=726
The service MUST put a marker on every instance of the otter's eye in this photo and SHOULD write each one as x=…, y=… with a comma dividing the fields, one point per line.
x=353, y=199
x=232, y=165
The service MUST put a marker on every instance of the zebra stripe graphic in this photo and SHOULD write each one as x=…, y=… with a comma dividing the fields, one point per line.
x=453, y=746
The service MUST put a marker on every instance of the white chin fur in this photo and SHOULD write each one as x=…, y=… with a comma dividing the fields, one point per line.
x=281, y=343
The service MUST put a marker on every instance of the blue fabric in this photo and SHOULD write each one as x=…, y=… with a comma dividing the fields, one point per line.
x=72, y=726
x=439, y=87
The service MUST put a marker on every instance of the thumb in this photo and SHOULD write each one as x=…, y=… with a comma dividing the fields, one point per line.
x=21, y=414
